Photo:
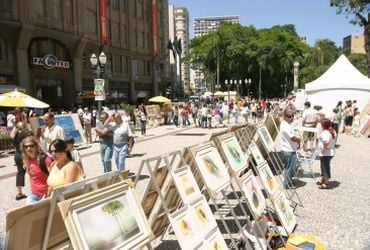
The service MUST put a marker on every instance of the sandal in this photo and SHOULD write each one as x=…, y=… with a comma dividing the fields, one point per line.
x=323, y=186
x=20, y=197
x=318, y=183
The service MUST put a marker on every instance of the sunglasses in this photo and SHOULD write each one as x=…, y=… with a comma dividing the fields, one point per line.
x=29, y=146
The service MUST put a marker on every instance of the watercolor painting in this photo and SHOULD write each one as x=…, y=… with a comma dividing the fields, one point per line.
x=234, y=154
x=186, y=184
x=268, y=179
x=253, y=192
x=256, y=153
x=285, y=212
x=203, y=215
x=266, y=138
x=215, y=241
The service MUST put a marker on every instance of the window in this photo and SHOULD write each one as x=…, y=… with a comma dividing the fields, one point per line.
x=56, y=10
x=91, y=21
x=139, y=7
x=41, y=7
x=117, y=66
x=115, y=4
x=148, y=68
x=125, y=65
x=5, y=4
x=68, y=11
x=124, y=33
x=115, y=32
x=3, y=50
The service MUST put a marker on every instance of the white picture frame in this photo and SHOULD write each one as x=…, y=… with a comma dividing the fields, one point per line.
x=234, y=154
x=215, y=240
x=284, y=212
x=186, y=184
x=253, y=193
x=212, y=168
x=266, y=138
x=256, y=153
x=268, y=179
x=203, y=216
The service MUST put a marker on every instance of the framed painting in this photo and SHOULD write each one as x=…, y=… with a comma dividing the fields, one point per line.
x=214, y=240
x=113, y=219
x=266, y=138
x=268, y=179
x=185, y=228
x=285, y=212
x=203, y=216
x=256, y=153
x=212, y=168
x=234, y=154
x=186, y=184
x=253, y=192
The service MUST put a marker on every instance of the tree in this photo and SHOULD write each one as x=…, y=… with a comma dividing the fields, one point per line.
x=360, y=12
x=114, y=208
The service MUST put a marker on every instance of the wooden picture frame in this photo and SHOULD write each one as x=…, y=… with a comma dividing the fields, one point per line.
x=252, y=191
x=266, y=138
x=268, y=179
x=186, y=184
x=212, y=168
x=203, y=215
x=234, y=154
x=256, y=153
x=285, y=212
x=214, y=240
x=111, y=219
x=185, y=228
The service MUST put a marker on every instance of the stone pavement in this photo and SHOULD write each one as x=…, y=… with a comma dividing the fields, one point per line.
x=337, y=217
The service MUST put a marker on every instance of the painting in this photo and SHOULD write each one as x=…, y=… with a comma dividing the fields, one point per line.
x=185, y=228
x=268, y=179
x=186, y=184
x=253, y=192
x=234, y=154
x=215, y=241
x=266, y=138
x=107, y=220
x=256, y=153
x=203, y=216
x=285, y=212
x=212, y=168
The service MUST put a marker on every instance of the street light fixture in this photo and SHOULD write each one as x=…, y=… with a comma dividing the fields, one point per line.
x=247, y=84
x=295, y=72
x=227, y=83
x=98, y=71
x=238, y=86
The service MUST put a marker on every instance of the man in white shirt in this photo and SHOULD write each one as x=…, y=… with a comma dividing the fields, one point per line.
x=86, y=119
x=51, y=131
x=289, y=144
x=308, y=120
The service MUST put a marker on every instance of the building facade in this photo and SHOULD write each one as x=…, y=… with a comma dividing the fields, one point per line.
x=355, y=44
x=204, y=25
x=45, y=47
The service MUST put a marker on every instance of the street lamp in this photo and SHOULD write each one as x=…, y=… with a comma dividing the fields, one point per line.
x=248, y=83
x=239, y=85
x=228, y=89
x=98, y=71
x=295, y=72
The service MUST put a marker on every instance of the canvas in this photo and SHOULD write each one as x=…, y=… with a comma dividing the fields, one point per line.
x=253, y=192
x=215, y=241
x=268, y=179
x=112, y=219
x=234, y=154
x=203, y=216
x=185, y=228
x=256, y=153
x=265, y=136
x=285, y=212
x=186, y=184
x=212, y=168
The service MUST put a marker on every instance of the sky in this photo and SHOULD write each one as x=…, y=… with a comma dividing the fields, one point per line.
x=313, y=19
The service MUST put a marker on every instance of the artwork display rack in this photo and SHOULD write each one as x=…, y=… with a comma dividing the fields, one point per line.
x=190, y=159
x=236, y=176
x=81, y=187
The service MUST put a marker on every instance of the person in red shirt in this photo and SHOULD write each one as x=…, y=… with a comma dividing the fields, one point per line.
x=37, y=165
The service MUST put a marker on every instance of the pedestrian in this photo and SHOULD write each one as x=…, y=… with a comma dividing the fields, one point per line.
x=143, y=117
x=245, y=111
x=63, y=170
x=18, y=133
x=37, y=165
x=86, y=120
x=176, y=116
x=308, y=120
x=50, y=131
x=10, y=120
x=289, y=145
x=122, y=140
x=106, y=142
x=326, y=146
x=76, y=156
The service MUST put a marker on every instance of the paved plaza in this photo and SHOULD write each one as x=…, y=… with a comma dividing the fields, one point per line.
x=337, y=217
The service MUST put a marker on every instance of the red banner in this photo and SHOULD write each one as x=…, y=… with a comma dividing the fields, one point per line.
x=103, y=20
x=155, y=35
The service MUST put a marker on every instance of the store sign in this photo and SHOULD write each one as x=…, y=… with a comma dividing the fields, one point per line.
x=103, y=20
x=154, y=23
x=99, y=91
x=50, y=61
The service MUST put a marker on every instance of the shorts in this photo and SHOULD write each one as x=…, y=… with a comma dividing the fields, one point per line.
x=308, y=136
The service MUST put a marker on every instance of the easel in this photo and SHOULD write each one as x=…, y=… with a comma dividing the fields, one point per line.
x=74, y=189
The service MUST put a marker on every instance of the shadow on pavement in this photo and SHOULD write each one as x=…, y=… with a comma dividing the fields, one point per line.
x=136, y=155
x=299, y=183
x=334, y=184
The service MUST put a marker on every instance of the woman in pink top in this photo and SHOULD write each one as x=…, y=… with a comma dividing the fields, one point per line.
x=37, y=165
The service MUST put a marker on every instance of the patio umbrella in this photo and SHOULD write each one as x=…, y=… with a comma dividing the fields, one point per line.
x=159, y=99
x=19, y=99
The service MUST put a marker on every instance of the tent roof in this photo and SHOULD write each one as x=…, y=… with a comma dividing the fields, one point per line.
x=341, y=75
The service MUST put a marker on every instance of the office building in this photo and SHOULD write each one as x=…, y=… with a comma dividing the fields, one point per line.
x=45, y=48
x=204, y=25
x=354, y=44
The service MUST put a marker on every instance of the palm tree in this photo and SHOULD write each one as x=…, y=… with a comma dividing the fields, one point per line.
x=114, y=208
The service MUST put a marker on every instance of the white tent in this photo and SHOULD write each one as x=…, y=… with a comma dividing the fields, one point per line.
x=341, y=82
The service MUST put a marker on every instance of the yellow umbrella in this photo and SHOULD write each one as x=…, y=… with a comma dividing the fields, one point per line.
x=19, y=99
x=159, y=99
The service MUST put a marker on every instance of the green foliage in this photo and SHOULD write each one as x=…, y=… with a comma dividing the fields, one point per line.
x=359, y=61
x=128, y=107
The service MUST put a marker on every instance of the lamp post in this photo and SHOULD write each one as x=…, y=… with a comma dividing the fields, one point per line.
x=247, y=83
x=98, y=71
x=295, y=72
x=227, y=83
x=238, y=86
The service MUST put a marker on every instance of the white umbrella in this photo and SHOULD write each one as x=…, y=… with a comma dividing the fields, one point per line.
x=19, y=99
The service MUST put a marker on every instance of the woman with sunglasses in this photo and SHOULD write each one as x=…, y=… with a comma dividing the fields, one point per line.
x=37, y=166
x=63, y=170
x=19, y=132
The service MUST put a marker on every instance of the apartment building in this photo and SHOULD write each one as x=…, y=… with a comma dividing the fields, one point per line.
x=204, y=25
x=45, y=47
x=354, y=43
